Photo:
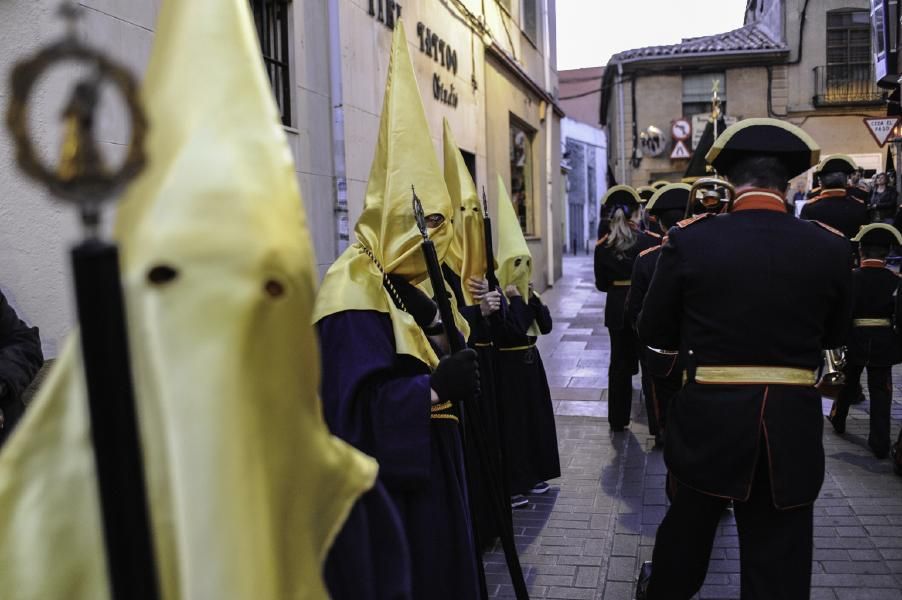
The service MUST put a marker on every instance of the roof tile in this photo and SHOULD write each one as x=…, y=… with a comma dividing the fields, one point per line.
x=748, y=38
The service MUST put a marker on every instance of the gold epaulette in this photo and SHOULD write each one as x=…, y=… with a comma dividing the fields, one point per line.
x=649, y=250
x=830, y=229
x=687, y=222
x=601, y=241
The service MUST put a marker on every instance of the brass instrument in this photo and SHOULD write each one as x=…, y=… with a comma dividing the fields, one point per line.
x=710, y=195
x=832, y=375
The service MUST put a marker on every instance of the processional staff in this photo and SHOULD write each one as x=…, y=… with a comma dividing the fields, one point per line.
x=82, y=178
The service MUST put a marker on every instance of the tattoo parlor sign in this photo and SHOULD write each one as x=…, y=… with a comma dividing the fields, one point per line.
x=443, y=55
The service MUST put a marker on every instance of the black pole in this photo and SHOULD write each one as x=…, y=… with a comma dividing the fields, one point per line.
x=489, y=246
x=114, y=422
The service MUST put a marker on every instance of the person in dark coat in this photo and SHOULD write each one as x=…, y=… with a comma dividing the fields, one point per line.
x=873, y=343
x=883, y=203
x=20, y=360
x=529, y=434
x=750, y=297
x=834, y=206
x=390, y=384
x=527, y=414
x=615, y=254
x=665, y=208
x=482, y=318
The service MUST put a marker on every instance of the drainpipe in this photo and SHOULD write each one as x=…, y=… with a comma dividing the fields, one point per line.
x=549, y=154
x=338, y=132
x=622, y=140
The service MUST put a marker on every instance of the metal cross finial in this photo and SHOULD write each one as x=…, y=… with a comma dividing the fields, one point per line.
x=418, y=213
x=71, y=12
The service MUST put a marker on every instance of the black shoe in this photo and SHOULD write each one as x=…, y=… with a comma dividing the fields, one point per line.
x=897, y=459
x=659, y=440
x=518, y=501
x=839, y=425
x=859, y=398
x=618, y=428
x=644, y=579
x=880, y=453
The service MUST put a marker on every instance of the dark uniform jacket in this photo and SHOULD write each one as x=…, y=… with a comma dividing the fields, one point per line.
x=838, y=209
x=612, y=275
x=643, y=270
x=20, y=359
x=873, y=292
x=755, y=287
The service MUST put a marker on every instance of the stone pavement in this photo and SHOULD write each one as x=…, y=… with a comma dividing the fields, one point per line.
x=586, y=538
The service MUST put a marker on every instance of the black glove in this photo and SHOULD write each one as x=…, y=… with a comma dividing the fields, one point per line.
x=420, y=306
x=457, y=376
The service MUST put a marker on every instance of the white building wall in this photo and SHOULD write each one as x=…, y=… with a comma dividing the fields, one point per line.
x=595, y=137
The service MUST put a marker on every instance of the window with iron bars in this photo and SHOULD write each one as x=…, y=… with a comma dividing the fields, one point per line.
x=271, y=19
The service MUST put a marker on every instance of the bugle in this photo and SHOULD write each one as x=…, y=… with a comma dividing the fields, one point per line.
x=710, y=195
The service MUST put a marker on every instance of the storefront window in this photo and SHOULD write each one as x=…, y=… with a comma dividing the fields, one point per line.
x=522, y=194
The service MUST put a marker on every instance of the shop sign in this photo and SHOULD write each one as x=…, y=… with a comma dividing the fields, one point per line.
x=386, y=12
x=444, y=56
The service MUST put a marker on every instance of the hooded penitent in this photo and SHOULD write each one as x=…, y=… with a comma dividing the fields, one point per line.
x=514, y=258
x=247, y=487
x=387, y=238
x=466, y=256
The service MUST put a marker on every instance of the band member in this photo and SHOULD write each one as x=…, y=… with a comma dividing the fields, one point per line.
x=527, y=415
x=834, y=206
x=387, y=388
x=751, y=321
x=873, y=344
x=645, y=193
x=665, y=208
x=615, y=254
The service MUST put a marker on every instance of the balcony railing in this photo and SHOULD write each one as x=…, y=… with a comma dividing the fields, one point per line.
x=846, y=85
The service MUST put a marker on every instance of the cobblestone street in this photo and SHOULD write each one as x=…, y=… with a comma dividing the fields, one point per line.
x=586, y=538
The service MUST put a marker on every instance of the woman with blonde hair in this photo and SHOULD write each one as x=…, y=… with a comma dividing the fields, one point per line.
x=615, y=254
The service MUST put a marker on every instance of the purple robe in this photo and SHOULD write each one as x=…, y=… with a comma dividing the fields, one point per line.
x=379, y=402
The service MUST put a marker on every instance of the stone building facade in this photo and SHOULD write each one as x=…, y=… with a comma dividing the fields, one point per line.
x=487, y=66
x=801, y=61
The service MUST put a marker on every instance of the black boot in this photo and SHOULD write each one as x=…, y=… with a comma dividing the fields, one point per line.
x=644, y=579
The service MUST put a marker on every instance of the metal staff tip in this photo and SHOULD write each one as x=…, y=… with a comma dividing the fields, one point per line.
x=418, y=214
x=485, y=203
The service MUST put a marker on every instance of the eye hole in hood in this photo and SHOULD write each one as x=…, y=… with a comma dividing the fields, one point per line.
x=162, y=274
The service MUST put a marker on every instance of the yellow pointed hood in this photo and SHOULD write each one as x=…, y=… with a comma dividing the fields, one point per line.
x=466, y=256
x=225, y=361
x=514, y=258
x=512, y=246
x=387, y=229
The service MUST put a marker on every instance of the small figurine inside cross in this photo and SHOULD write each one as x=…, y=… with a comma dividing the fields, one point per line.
x=715, y=99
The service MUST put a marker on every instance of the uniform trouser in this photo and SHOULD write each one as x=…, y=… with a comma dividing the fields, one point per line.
x=880, y=390
x=623, y=366
x=775, y=546
x=648, y=393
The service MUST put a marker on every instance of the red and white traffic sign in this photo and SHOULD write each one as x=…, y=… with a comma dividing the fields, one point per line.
x=681, y=130
x=881, y=128
x=679, y=150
